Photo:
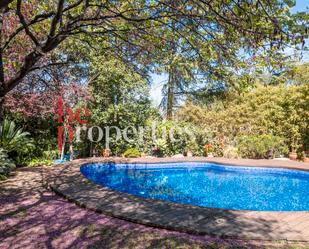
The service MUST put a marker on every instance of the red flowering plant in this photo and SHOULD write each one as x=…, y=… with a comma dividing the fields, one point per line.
x=208, y=148
x=215, y=147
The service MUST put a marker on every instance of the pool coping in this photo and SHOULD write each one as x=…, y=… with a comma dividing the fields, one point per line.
x=66, y=180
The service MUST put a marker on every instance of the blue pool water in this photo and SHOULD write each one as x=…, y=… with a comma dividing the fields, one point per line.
x=207, y=185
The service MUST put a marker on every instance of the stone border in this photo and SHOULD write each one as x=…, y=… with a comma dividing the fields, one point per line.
x=67, y=181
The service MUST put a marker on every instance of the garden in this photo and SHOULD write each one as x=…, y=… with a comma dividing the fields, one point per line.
x=144, y=80
x=262, y=122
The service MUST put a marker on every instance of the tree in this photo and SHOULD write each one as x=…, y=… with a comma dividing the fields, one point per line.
x=120, y=97
x=36, y=97
x=45, y=25
x=232, y=38
x=136, y=25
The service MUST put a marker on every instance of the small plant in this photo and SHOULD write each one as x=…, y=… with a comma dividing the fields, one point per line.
x=6, y=165
x=230, y=152
x=218, y=147
x=132, y=153
x=192, y=148
x=209, y=149
x=261, y=146
x=14, y=139
x=106, y=152
x=304, y=157
x=160, y=148
x=51, y=154
x=39, y=162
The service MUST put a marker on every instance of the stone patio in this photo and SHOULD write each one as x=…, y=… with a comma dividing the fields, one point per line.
x=292, y=226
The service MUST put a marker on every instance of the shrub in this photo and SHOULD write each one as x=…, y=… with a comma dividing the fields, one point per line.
x=39, y=162
x=132, y=153
x=176, y=137
x=261, y=146
x=6, y=165
x=50, y=154
x=14, y=139
x=194, y=147
x=230, y=152
x=209, y=148
x=279, y=110
x=161, y=148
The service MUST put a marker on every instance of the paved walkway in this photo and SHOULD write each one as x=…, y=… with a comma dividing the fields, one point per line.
x=31, y=216
x=292, y=226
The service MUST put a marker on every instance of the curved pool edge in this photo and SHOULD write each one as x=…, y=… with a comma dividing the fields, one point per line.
x=70, y=183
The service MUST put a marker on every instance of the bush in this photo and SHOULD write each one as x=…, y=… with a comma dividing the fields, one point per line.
x=230, y=152
x=6, y=165
x=39, y=162
x=176, y=137
x=261, y=146
x=132, y=153
x=195, y=148
x=279, y=110
x=13, y=139
x=51, y=154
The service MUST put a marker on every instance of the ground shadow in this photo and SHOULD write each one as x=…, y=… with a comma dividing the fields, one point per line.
x=32, y=216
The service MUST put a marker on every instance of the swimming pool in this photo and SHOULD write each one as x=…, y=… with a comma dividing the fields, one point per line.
x=207, y=184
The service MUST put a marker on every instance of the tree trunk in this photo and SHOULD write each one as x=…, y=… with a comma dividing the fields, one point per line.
x=1, y=109
x=2, y=86
x=170, y=95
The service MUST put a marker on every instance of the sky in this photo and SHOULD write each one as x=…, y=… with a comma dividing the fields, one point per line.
x=159, y=80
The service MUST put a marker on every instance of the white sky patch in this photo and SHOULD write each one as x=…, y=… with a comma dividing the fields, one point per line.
x=156, y=88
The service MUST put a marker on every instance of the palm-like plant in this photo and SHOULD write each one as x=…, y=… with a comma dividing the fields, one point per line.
x=14, y=139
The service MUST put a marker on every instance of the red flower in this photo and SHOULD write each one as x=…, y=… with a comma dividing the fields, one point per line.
x=208, y=146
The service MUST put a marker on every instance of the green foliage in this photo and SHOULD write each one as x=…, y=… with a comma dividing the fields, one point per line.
x=261, y=146
x=164, y=142
x=194, y=147
x=43, y=132
x=51, y=154
x=222, y=54
x=14, y=139
x=200, y=49
x=279, y=110
x=46, y=159
x=296, y=74
x=132, y=153
x=120, y=97
x=39, y=162
x=177, y=137
x=161, y=147
x=6, y=165
x=230, y=152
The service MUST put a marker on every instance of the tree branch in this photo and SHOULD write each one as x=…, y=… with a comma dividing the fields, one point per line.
x=25, y=25
x=5, y=3
x=30, y=60
x=56, y=19
x=49, y=65
x=35, y=20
